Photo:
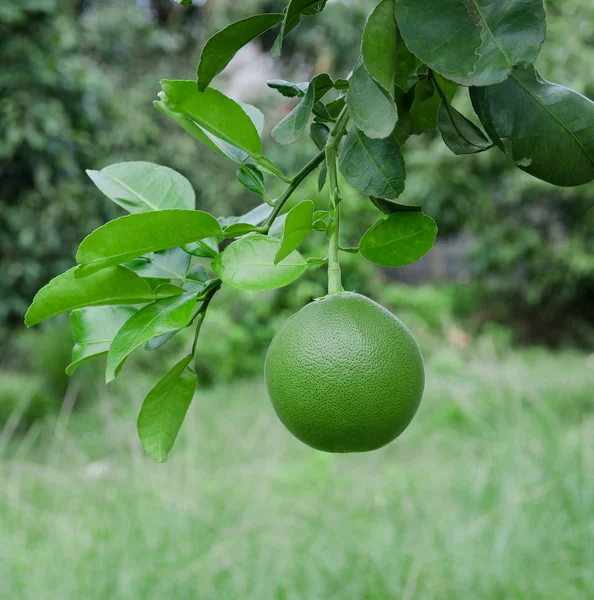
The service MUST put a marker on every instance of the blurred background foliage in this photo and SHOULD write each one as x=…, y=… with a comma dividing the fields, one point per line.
x=514, y=267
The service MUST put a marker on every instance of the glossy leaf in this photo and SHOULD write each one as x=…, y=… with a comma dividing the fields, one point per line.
x=93, y=329
x=371, y=108
x=248, y=264
x=172, y=263
x=253, y=179
x=399, y=239
x=406, y=65
x=206, y=248
x=459, y=134
x=389, y=206
x=66, y=292
x=473, y=42
x=318, y=132
x=134, y=235
x=164, y=410
x=424, y=111
x=239, y=229
x=214, y=112
x=256, y=216
x=223, y=45
x=154, y=320
x=141, y=186
x=547, y=129
x=374, y=167
x=160, y=341
x=293, y=125
x=266, y=165
x=379, y=45
x=298, y=225
x=293, y=13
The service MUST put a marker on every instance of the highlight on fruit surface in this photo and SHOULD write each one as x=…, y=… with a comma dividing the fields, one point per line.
x=344, y=374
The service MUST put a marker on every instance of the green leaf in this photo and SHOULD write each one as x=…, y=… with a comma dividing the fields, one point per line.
x=184, y=2
x=66, y=292
x=389, y=206
x=213, y=111
x=379, y=45
x=547, y=129
x=253, y=179
x=256, y=216
x=266, y=165
x=319, y=132
x=223, y=45
x=239, y=229
x=406, y=66
x=206, y=248
x=248, y=264
x=154, y=320
x=292, y=126
x=141, y=186
x=134, y=235
x=293, y=13
x=370, y=107
x=460, y=135
x=473, y=42
x=374, y=167
x=298, y=225
x=160, y=341
x=287, y=88
x=399, y=239
x=172, y=263
x=427, y=101
x=164, y=410
x=93, y=330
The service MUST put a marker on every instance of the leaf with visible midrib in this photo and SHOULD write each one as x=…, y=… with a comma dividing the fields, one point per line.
x=248, y=264
x=223, y=45
x=115, y=285
x=134, y=235
x=374, y=167
x=213, y=111
x=164, y=410
x=472, y=42
x=154, y=320
x=371, y=108
x=93, y=329
x=459, y=134
x=141, y=186
x=398, y=240
x=298, y=225
x=547, y=129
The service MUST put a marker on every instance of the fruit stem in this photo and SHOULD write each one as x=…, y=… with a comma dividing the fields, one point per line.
x=331, y=149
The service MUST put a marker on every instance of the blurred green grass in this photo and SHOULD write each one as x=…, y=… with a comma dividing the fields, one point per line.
x=488, y=495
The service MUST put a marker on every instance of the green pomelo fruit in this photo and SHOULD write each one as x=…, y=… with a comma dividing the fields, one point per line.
x=344, y=374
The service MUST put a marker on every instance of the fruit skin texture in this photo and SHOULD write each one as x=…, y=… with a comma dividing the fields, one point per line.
x=344, y=374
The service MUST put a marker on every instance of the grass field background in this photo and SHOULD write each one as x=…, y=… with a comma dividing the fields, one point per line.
x=488, y=495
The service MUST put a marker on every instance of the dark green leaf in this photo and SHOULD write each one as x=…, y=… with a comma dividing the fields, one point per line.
x=547, y=129
x=298, y=225
x=154, y=320
x=93, y=330
x=370, y=107
x=293, y=125
x=66, y=292
x=335, y=107
x=293, y=13
x=141, y=186
x=321, y=113
x=399, y=239
x=389, y=206
x=223, y=45
x=134, y=235
x=318, y=132
x=379, y=45
x=374, y=167
x=427, y=101
x=214, y=112
x=253, y=179
x=473, y=42
x=197, y=274
x=406, y=66
x=460, y=135
x=248, y=264
x=172, y=263
x=164, y=410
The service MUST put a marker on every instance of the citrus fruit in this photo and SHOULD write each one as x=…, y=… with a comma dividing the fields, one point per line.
x=344, y=374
